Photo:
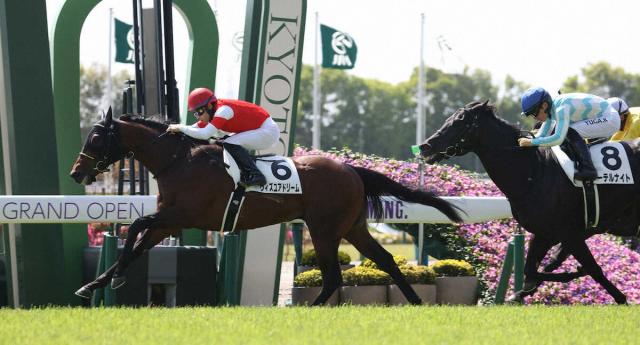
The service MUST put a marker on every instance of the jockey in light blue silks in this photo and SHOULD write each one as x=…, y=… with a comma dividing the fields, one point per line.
x=575, y=116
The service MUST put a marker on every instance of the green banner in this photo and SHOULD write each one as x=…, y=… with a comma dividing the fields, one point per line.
x=339, y=50
x=124, y=42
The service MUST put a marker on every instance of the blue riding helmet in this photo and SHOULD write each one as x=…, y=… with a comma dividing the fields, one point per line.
x=532, y=99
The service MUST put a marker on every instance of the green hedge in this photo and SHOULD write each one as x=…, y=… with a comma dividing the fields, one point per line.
x=309, y=278
x=361, y=275
x=453, y=268
x=309, y=258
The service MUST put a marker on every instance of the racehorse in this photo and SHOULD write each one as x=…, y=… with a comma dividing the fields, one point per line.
x=542, y=198
x=194, y=189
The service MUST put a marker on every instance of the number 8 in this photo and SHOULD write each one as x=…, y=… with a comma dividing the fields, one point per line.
x=608, y=153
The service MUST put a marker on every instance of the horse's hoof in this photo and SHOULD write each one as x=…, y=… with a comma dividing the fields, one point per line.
x=516, y=298
x=117, y=282
x=84, y=293
x=621, y=300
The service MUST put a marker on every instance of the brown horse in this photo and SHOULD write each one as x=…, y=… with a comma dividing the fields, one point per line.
x=194, y=189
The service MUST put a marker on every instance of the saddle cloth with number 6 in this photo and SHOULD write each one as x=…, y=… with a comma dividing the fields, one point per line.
x=282, y=176
x=610, y=160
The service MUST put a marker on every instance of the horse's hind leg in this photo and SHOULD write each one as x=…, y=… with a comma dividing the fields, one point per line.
x=327, y=256
x=581, y=252
x=360, y=237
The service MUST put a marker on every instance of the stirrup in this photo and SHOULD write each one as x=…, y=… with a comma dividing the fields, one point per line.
x=253, y=180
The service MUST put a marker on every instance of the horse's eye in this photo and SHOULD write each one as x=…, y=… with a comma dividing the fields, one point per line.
x=96, y=140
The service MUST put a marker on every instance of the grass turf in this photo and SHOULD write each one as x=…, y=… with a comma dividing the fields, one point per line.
x=340, y=325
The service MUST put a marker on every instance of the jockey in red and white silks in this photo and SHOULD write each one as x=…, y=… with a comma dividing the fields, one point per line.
x=250, y=125
x=253, y=127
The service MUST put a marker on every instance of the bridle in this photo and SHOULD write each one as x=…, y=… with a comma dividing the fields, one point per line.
x=112, y=149
x=102, y=162
x=457, y=148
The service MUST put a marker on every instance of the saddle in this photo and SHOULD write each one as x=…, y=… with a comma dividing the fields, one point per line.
x=610, y=160
x=282, y=178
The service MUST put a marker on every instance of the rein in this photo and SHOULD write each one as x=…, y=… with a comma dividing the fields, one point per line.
x=112, y=145
x=457, y=148
x=175, y=157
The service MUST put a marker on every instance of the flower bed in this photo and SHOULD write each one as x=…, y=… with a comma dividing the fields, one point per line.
x=486, y=243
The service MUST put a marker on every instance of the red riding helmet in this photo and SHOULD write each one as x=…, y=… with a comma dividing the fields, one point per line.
x=200, y=97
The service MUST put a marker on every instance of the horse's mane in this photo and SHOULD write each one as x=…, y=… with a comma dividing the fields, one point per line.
x=196, y=148
x=491, y=110
x=150, y=122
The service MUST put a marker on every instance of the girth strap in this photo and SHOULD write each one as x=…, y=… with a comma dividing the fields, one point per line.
x=232, y=211
x=591, y=204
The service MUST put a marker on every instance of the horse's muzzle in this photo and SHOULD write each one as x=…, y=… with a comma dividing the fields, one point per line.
x=429, y=154
x=82, y=178
x=434, y=158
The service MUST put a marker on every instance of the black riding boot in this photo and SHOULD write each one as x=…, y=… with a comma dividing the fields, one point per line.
x=250, y=175
x=585, y=171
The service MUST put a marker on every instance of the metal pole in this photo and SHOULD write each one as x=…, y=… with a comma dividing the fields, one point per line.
x=171, y=92
x=110, y=246
x=420, y=130
x=231, y=252
x=507, y=266
x=316, y=93
x=518, y=259
x=110, y=40
x=137, y=60
x=296, y=231
x=159, y=70
x=98, y=295
x=422, y=259
x=132, y=176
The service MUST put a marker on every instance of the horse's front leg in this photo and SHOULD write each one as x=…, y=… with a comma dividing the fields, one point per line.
x=557, y=258
x=147, y=241
x=169, y=218
x=538, y=248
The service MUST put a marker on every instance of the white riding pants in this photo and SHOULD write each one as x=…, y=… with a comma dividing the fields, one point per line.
x=602, y=127
x=258, y=139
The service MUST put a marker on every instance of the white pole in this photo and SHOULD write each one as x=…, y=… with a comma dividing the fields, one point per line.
x=316, y=93
x=420, y=127
x=420, y=134
x=106, y=179
x=110, y=40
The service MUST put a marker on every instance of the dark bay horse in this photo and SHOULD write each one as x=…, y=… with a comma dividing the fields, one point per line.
x=194, y=189
x=542, y=198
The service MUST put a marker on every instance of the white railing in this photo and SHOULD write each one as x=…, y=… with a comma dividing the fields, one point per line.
x=125, y=209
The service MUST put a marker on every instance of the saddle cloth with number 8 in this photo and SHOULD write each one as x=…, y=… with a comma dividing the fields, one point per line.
x=282, y=176
x=610, y=160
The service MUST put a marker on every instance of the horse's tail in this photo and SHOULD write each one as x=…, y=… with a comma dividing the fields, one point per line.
x=377, y=185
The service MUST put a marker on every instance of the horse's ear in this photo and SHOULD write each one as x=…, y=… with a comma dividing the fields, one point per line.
x=109, y=117
x=484, y=104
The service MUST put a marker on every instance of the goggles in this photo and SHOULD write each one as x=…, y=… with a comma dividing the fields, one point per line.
x=199, y=112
